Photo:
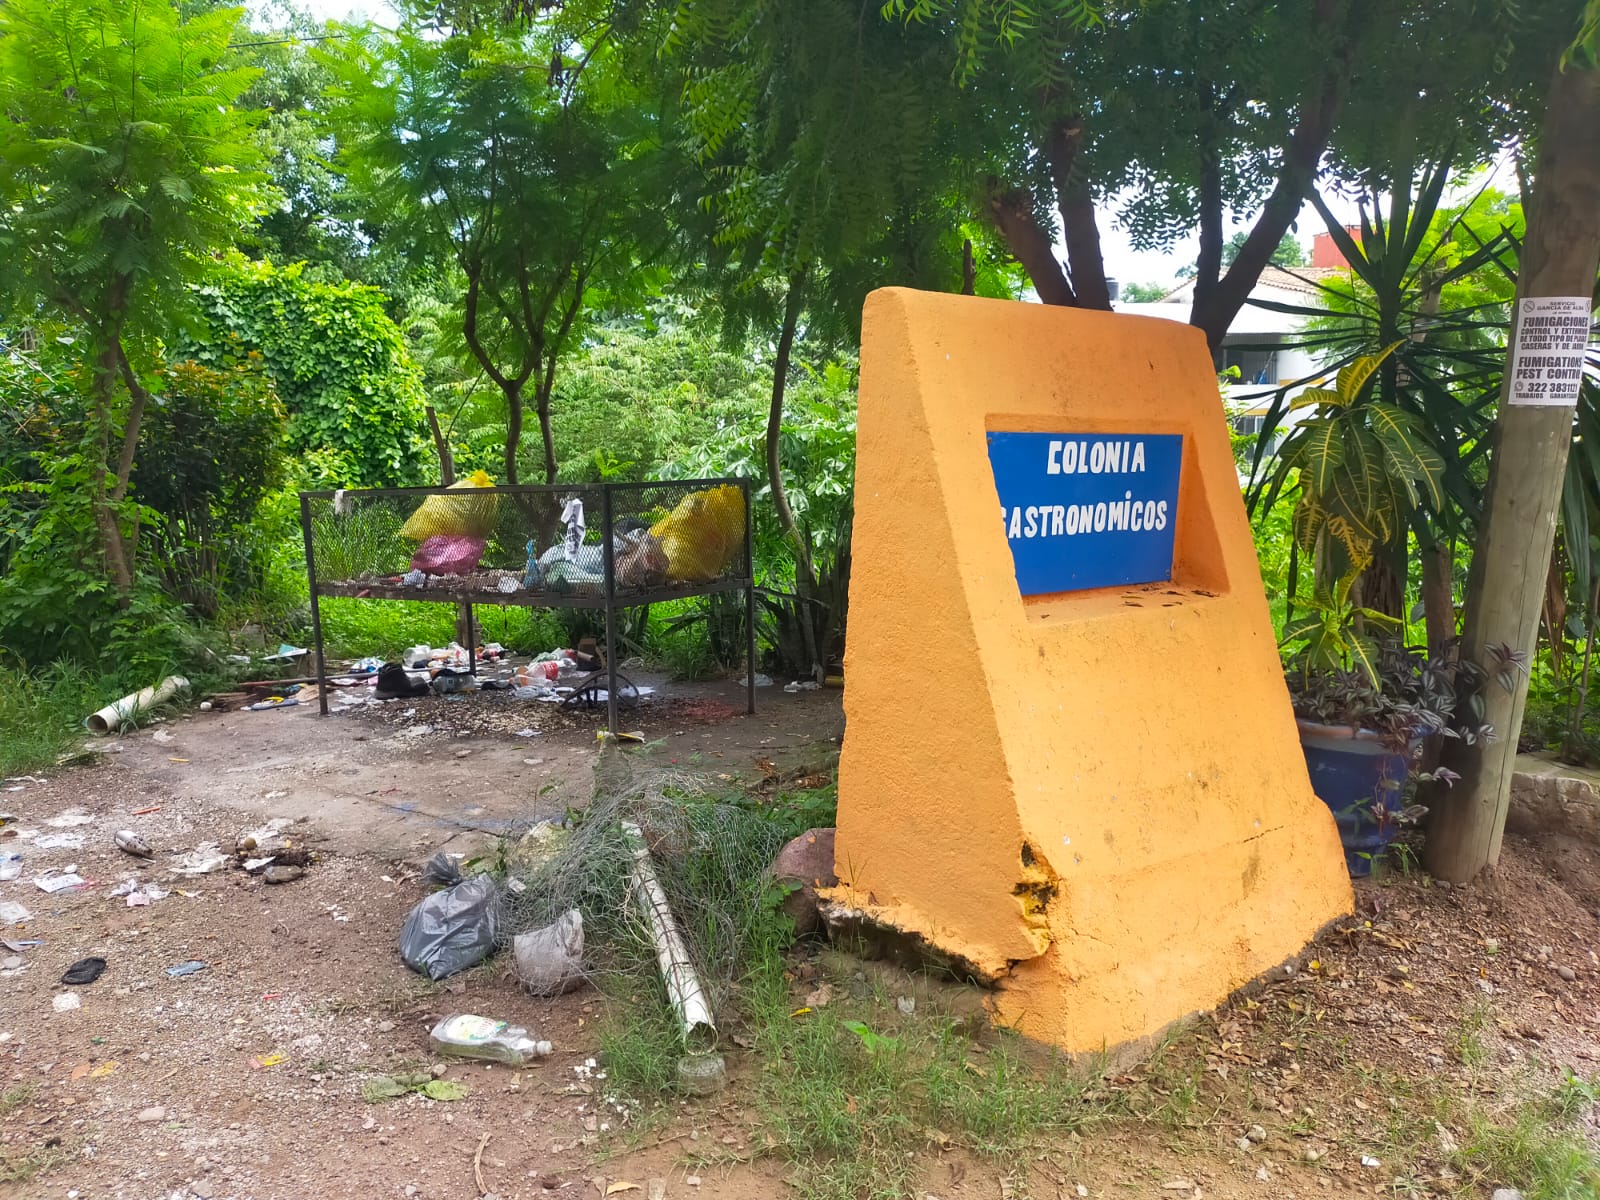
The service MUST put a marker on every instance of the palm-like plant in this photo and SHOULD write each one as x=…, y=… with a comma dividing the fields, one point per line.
x=1427, y=294
x=1364, y=466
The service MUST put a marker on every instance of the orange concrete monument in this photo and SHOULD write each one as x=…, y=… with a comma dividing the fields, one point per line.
x=1071, y=762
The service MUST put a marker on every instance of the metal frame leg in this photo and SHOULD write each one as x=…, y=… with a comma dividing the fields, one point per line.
x=611, y=609
x=316, y=608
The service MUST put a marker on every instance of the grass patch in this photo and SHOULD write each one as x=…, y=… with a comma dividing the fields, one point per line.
x=42, y=713
x=1470, y=1048
x=19, y=1164
x=16, y=1097
x=853, y=1094
x=1528, y=1137
x=1535, y=1146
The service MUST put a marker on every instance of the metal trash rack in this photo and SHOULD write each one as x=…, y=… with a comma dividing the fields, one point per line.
x=360, y=543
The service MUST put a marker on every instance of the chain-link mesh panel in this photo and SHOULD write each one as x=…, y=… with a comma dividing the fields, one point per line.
x=531, y=545
x=710, y=856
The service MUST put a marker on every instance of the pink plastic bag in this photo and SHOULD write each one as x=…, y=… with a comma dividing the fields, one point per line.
x=448, y=554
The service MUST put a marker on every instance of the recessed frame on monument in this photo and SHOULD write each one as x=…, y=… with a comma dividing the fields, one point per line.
x=1097, y=803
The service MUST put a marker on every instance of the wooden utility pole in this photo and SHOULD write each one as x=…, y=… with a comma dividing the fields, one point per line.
x=1560, y=257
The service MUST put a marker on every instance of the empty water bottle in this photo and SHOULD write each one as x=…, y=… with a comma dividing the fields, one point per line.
x=468, y=1036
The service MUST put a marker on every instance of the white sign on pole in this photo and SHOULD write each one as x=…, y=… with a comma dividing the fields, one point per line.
x=1547, y=352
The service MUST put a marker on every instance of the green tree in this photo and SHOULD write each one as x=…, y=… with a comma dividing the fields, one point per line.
x=546, y=186
x=828, y=172
x=1143, y=293
x=1177, y=116
x=1288, y=253
x=124, y=164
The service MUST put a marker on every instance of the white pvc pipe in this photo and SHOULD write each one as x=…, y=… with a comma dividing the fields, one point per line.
x=117, y=714
x=688, y=997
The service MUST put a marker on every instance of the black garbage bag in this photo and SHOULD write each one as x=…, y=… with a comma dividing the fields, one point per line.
x=452, y=930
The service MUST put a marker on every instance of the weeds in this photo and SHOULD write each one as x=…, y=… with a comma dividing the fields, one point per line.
x=16, y=1097
x=854, y=1092
x=1535, y=1148
x=1469, y=1045
x=41, y=714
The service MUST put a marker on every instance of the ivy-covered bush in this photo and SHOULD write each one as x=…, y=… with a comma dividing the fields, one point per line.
x=353, y=395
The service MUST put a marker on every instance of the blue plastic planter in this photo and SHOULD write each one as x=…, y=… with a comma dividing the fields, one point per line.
x=1353, y=772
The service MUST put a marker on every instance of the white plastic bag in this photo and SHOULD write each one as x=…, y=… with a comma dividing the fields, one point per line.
x=549, y=961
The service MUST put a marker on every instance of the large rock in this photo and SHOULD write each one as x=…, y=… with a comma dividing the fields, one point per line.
x=807, y=863
x=1554, y=797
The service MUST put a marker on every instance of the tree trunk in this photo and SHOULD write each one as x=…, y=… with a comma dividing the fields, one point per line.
x=1559, y=258
x=969, y=270
x=805, y=577
x=547, y=437
x=1012, y=214
x=780, y=379
x=447, y=464
x=1086, y=266
x=1439, y=597
x=513, y=432
x=113, y=549
x=1382, y=586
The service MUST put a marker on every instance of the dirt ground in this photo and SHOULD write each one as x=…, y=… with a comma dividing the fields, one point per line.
x=244, y=1078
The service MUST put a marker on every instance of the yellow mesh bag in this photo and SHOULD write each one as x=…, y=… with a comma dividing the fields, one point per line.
x=455, y=516
x=702, y=534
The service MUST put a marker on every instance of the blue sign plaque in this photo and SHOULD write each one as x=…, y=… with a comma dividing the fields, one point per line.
x=1087, y=510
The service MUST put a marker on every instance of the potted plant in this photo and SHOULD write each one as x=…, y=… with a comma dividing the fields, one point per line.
x=1365, y=705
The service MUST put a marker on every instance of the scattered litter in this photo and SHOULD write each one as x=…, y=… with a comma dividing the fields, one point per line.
x=12, y=913
x=17, y=947
x=12, y=965
x=633, y=737
x=451, y=930
x=392, y=1087
x=202, y=860
x=267, y=1061
x=186, y=968
x=70, y=818
x=906, y=1004
x=267, y=836
x=761, y=680
x=139, y=894
x=139, y=812
x=252, y=865
x=333, y=911
x=285, y=653
x=162, y=736
x=130, y=842
x=85, y=970
x=66, y=1001
x=527, y=733
x=53, y=883
x=272, y=702
x=25, y=779
x=802, y=685
x=1368, y=1161
x=60, y=841
x=549, y=961
x=468, y=1036
x=283, y=874
x=10, y=866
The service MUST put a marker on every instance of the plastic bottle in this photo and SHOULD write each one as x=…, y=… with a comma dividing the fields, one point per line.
x=468, y=1036
x=10, y=866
